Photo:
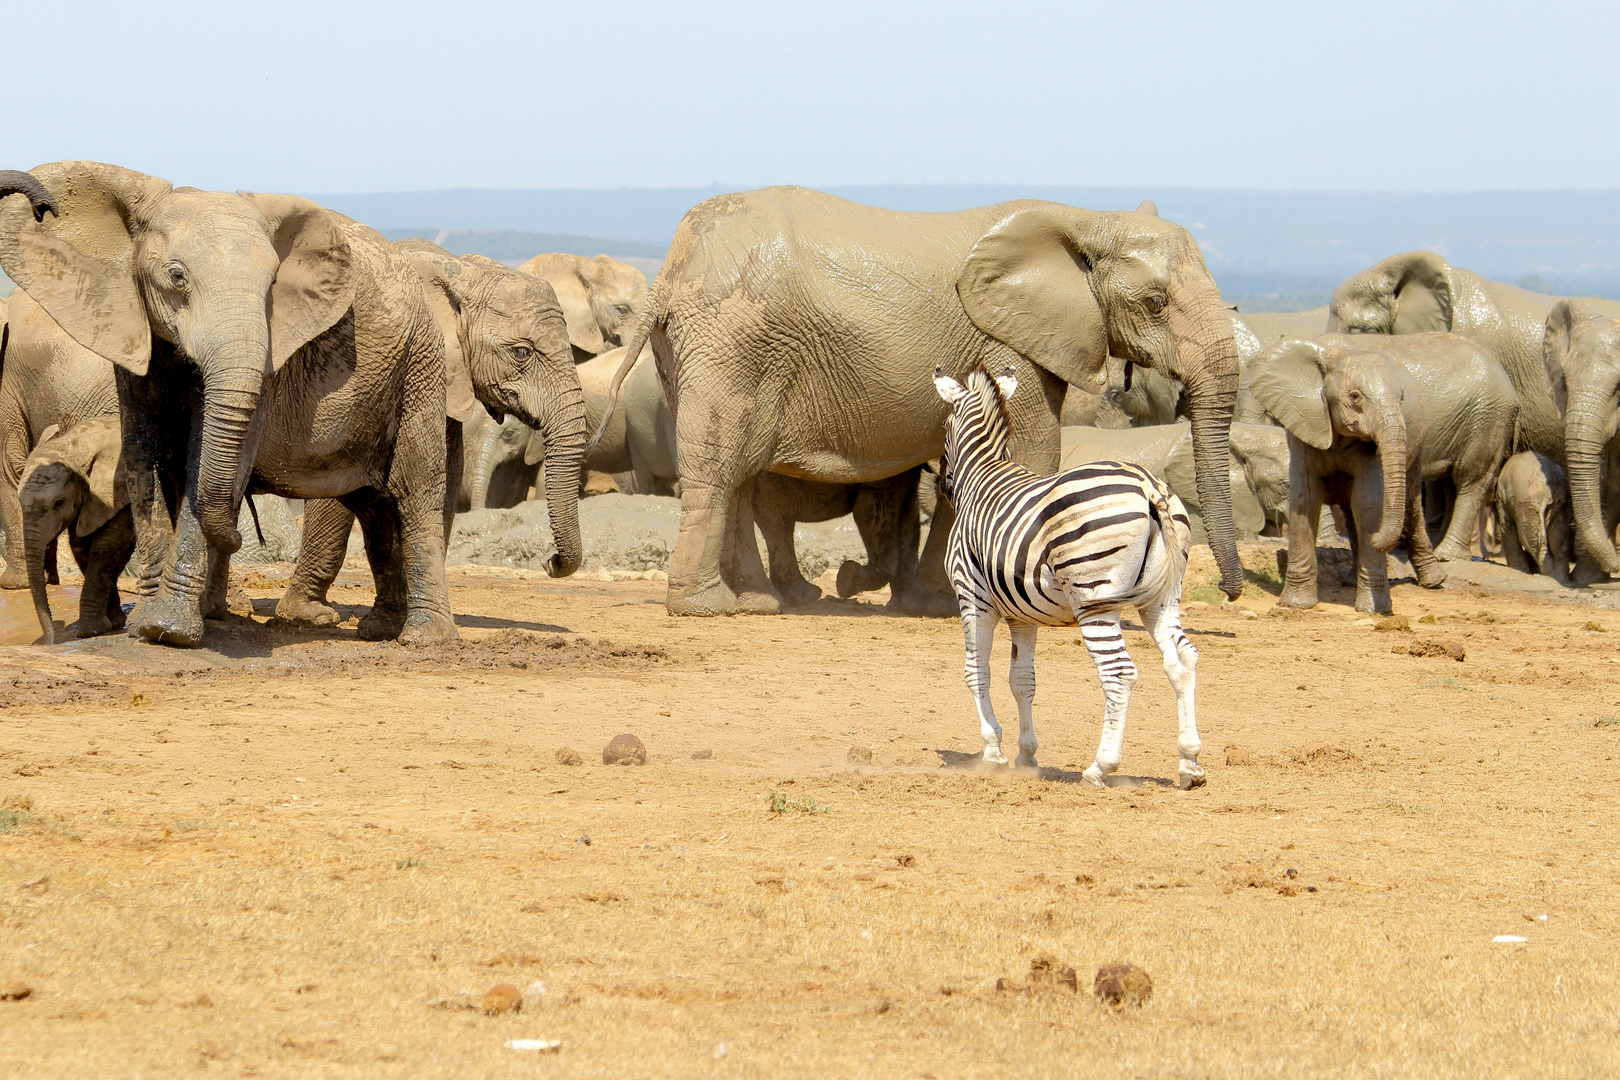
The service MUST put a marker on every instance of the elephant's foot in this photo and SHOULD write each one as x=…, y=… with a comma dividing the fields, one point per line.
x=1590, y=573
x=425, y=628
x=170, y=619
x=927, y=603
x=1452, y=552
x=302, y=611
x=854, y=577
x=715, y=599
x=1297, y=597
x=1190, y=775
x=1374, y=603
x=758, y=603
x=15, y=575
x=798, y=593
x=386, y=624
x=95, y=625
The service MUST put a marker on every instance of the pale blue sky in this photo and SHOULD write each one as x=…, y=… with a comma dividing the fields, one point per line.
x=401, y=95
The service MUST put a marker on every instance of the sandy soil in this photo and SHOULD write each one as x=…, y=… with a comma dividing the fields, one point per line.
x=293, y=854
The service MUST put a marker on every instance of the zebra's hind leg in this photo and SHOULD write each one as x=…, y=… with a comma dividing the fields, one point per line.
x=979, y=629
x=1163, y=621
x=1117, y=671
x=1021, y=677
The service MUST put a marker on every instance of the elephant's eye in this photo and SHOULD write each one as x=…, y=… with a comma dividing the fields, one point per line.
x=1355, y=397
x=177, y=277
x=57, y=505
x=1155, y=302
x=622, y=309
x=520, y=351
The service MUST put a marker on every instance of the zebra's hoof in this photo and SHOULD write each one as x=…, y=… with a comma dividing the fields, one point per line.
x=1026, y=761
x=1094, y=775
x=1189, y=779
x=994, y=756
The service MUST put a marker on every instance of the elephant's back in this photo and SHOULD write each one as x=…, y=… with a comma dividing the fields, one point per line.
x=1149, y=447
x=53, y=378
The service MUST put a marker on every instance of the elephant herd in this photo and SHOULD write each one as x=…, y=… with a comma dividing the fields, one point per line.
x=170, y=352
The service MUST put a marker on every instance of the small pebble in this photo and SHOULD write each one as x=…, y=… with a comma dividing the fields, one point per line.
x=14, y=991
x=569, y=756
x=702, y=755
x=502, y=998
x=1237, y=755
x=859, y=755
x=624, y=749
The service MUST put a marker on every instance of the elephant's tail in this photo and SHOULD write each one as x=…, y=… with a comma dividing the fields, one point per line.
x=638, y=341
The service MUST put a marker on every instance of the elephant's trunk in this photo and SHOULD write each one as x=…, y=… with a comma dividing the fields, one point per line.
x=1392, y=457
x=229, y=401
x=34, y=544
x=1209, y=370
x=1586, y=434
x=483, y=469
x=13, y=182
x=564, y=432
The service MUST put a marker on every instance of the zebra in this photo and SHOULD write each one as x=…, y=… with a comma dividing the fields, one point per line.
x=1055, y=551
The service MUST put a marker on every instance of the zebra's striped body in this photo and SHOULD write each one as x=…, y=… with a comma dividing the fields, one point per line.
x=1059, y=550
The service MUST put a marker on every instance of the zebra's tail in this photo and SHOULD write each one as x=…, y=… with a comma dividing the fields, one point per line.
x=1166, y=563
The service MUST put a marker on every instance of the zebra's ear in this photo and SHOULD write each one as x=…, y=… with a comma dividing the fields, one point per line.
x=948, y=388
x=1007, y=383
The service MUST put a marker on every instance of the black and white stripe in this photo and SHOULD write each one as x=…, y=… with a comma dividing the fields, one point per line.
x=1077, y=547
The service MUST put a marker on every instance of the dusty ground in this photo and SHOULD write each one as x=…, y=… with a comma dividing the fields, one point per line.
x=296, y=855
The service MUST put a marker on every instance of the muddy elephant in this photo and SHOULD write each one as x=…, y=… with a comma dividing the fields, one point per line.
x=1356, y=425
x=601, y=298
x=504, y=332
x=72, y=483
x=1471, y=408
x=500, y=462
x=263, y=344
x=47, y=380
x=798, y=332
x=1581, y=355
x=1257, y=332
x=1533, y=508
x=639, y=437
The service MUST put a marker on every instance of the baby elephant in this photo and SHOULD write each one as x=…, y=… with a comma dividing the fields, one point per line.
x=73, y=479
x=1538, y=528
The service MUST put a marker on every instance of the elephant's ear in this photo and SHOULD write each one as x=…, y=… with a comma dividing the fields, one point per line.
x=443, y=287
x=105, y=479
x=1409, y=293
x=1027, y=284
x=574, y=297
x=1557, y=345
x=80, y=265
x=314, y=286
x=534, y=451
x=1287, y=380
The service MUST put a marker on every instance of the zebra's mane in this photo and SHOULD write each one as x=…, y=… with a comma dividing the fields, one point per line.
x=993, y=390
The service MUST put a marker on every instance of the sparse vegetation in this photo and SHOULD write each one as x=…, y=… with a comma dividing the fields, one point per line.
x=779, y=802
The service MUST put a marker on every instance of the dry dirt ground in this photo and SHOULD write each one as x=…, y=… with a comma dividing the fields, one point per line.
x=294, y=855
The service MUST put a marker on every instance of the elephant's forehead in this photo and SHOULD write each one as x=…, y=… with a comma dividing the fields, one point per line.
x=212, y=220
x=517, y=299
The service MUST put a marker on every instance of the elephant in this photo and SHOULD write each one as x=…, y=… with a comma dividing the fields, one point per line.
x=1356, y=427
x=601, y=298
x=797, y=332
x=639, y=437
x=506, y=330
x=885, y=513
x=1533, y=507
x=1581, y=355
x=1257, y=332
x=1470, y=406
x=501, y=462
x=263, y=344
x=72, y=482
x=48, y=380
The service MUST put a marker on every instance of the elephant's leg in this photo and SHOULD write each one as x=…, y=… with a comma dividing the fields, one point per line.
x=878, y=509
x=104, y=553
x=1430, y=574
x=1163, y=622
x=1473, y=492
x=978, y=632
x=926, y=590
x=1514, y=544
x=906, y=538
x=741, y=565
x=380, y=528
x=1021, y=678
x=1304, y=511
x=156, y=418
x=1372, y=565
x=695, y=583
x=52, y=552
x=15, y=575
x=325, y=543
x=1117, y=672
x=773, y=510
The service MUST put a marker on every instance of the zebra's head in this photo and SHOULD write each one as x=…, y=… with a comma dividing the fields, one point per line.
x=978, y=427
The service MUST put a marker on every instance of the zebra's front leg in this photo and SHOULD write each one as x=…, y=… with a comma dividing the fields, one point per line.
x=1021, y=676
x=1163, y=621
x=1117, y=672
x=978, y=630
